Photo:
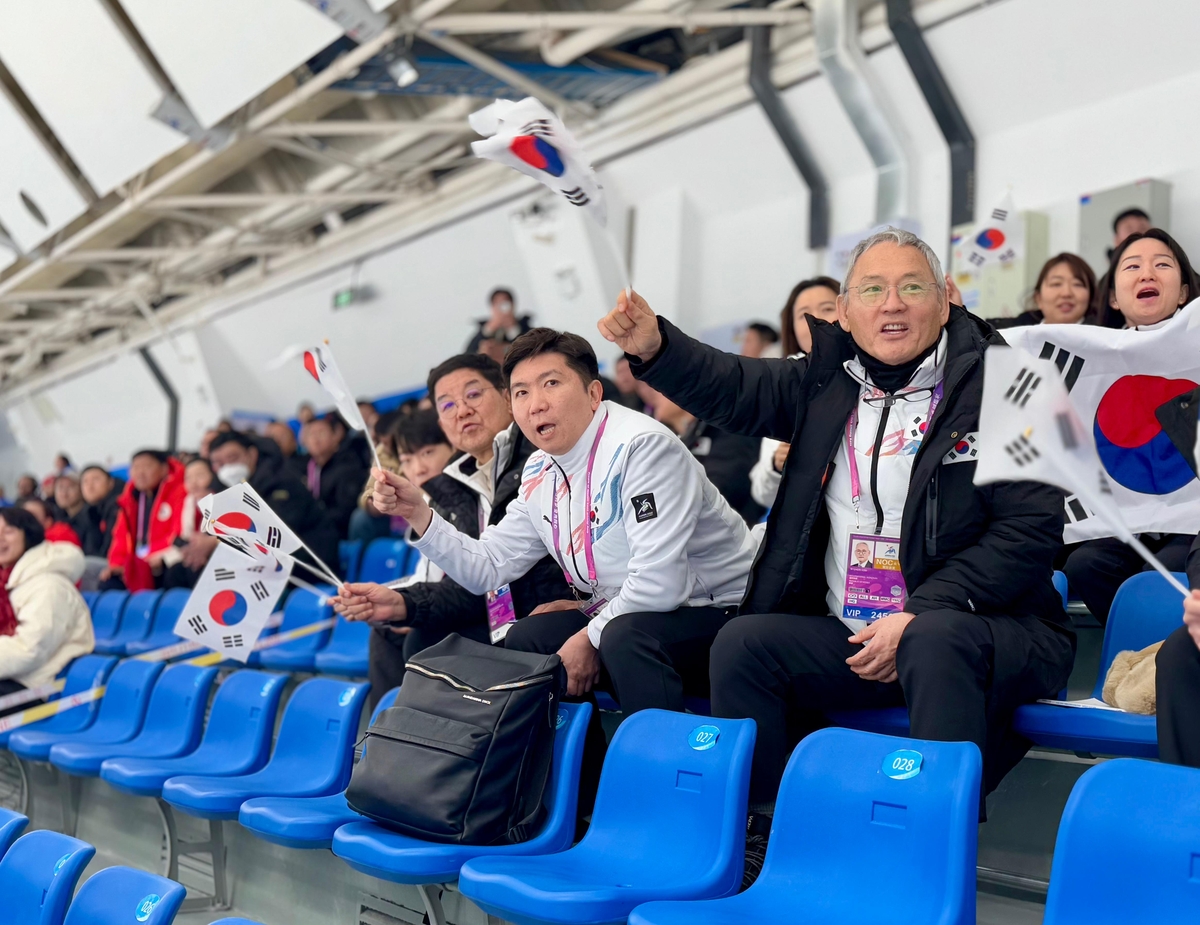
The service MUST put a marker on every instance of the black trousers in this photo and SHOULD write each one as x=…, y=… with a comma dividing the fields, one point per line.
x=13, y=687
x=1095, y=569
x=647, y=660
x=1177, y=680
x=960, y=674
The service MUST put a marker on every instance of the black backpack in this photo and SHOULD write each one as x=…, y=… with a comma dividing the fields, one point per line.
x=464, y=755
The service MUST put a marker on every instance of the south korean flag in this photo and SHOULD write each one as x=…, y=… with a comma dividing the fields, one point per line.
x=966, y=450
x=232, y=601
x=240, y=518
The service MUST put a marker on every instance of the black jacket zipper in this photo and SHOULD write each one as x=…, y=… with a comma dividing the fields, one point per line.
x=883, y=419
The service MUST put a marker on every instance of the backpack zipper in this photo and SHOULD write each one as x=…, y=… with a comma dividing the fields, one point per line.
x=462, y=686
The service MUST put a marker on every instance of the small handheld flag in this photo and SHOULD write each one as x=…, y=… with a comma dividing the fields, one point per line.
x=319, y=363
x=1028, y=429
x=232, y=601
x=999, y=240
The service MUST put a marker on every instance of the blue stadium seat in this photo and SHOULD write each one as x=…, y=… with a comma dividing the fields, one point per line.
x=347, y=651
x=106, y=613
x=302, y=607
x=162, y=631
x=1146, y=610
x=85, y=672
x=135, y=623
x=38, y=877
x=314, y=754
x=119, y=718
x=1060, y=585
x=385, y=560
x=235, y=922
x=304, y=822
x=669, y=823
x=174, y=721
x=379, y=852
x=349, y=558
x=236, y=741
x=839, y=809
x=11, y=825
x=121, y=895
x=90, y=598
x=1128, y=847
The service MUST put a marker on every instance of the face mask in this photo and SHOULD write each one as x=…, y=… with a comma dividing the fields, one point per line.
x=233, y=473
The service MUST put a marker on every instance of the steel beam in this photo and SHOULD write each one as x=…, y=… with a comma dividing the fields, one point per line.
x=479, y=23
x=172, y=398
x=135, y=254
x=258, y=200
x=339, y=127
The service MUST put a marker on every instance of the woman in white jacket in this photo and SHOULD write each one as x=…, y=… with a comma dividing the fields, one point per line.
x=44, y=622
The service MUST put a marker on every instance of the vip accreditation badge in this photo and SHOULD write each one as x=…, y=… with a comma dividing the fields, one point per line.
x=501, y=613
x=874, y=583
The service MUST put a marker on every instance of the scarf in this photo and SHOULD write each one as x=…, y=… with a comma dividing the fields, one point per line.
x=8, y=616
x=891, y=379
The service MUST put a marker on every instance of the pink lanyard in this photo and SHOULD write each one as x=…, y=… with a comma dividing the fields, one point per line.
x=587, y=532
x=141, y=528
x=852, y=426
x=314, y=478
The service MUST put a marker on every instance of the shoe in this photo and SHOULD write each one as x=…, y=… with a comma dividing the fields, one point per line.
x=758, y=831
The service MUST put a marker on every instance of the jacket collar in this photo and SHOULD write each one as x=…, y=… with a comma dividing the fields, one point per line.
x=924, y=379
x=576, y=456
x=503, y=446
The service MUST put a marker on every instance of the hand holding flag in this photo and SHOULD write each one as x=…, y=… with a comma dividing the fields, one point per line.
x=1028, y=429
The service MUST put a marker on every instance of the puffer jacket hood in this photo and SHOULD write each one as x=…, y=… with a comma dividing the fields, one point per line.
x=64, y=559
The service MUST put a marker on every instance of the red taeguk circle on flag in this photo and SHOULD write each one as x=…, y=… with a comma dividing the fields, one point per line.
x=539, y=153
x=234, y=520
x=990, y=238
x=1136, y=452
x=228, y=608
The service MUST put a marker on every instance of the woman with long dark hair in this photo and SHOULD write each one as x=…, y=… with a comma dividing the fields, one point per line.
x=816, y=297
x=1064, y=293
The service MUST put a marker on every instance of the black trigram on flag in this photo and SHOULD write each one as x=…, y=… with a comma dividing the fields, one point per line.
x=235, y=541
x=1061, y=359
x=274, y=537
x=999, y=215
x=1076, y=512
x=231, y=642
x=977, y=258
x=248, y=500
x=198, y=625
x=1022, y=451
x=1023, y=387
x=259, y=590
x=576, y=197
x=224, y=574
x=1066, y=431
x=537, y=127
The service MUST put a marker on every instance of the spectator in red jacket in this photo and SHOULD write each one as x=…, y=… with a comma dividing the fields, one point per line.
x=57, y=531
x=148, y=521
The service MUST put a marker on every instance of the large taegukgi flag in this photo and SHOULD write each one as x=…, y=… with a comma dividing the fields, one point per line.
x=1130, y=389
x=528, y=137
x=232, y=600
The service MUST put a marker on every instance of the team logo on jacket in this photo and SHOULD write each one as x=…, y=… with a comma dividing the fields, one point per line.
x=644, y=507
x=964, y=451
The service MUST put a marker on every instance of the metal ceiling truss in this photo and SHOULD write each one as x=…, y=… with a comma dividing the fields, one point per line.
x=311, y=172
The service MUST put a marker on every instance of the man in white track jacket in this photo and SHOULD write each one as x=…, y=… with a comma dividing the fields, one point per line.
x=656, y=558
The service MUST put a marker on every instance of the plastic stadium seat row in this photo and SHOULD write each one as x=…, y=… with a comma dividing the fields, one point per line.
x=39, y=872
x=85, y=672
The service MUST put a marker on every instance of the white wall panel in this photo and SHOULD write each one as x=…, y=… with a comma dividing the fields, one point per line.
x=71, y=60
x=223, y=53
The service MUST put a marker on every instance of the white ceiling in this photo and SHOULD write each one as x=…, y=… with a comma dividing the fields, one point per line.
x=89, y=86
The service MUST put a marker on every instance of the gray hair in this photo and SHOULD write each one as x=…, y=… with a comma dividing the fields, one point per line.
x=901, y=238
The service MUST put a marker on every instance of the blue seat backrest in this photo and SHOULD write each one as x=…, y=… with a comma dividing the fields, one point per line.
x=1060, y=585
x=351, y=635
x=11, y=825
x=175, y=715
x=1128, y=847
x=349, y=557
x=302, y=608
x=85, y=672
x=1146, y=610
x=38, y=876
x=655, y=782
x=90, y=598
x=242, y=718
x=319, y=728
x=386, y=559
x=170, y=606
x=106, y=615
x=123, y=706
x=571, y=726
x=839, y=808
x=139, y=614
x=120, y=895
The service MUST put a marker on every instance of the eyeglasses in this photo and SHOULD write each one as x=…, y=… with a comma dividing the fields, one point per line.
x=471, y=399
x=874, y=294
